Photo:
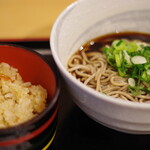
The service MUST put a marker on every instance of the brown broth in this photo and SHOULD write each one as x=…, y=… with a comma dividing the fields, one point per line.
x=97, y=43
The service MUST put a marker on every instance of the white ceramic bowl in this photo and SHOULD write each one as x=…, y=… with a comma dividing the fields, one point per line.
x=87, y=19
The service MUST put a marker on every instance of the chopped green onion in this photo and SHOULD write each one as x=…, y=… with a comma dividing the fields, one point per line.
x=148, y=72
x=127, y=57
x=131, y=82
x=118, y=59
x=147, y=66
x=130, y=60
x=138, y=60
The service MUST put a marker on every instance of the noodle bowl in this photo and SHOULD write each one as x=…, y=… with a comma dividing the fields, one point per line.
x=92, y=69
x=82, y=21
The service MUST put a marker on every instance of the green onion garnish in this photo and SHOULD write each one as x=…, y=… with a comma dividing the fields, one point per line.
x=132, y=61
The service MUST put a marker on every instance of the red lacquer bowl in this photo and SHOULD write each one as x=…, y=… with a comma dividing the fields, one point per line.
x=39, y=131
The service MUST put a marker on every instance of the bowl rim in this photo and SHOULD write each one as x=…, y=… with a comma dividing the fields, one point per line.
x=102, y=97
x=54, y=98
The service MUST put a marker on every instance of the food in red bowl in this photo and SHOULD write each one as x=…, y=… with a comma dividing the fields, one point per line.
x=29, y=91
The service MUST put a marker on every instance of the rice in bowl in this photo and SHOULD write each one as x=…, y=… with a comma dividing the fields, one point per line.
x=19, y=101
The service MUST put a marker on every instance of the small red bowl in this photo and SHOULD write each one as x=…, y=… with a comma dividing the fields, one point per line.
x=33, y=68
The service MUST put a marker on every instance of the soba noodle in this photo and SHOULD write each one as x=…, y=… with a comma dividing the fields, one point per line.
x=92, y=69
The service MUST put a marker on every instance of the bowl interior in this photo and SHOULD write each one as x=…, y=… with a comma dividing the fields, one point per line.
x=31, y=67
